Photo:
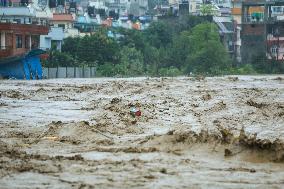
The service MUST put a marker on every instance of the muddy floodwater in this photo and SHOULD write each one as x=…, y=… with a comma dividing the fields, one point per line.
x=221, y=132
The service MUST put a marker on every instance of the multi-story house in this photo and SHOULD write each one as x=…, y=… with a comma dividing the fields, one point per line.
x=20, y=42
x=222, y=3
x=262, y=30
x=119, y=7
x=137, y=7
x=66, y=22
x=20, y=31
x=195, y=6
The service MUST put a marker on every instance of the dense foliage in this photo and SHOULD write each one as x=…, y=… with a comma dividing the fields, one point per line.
x=167, y=48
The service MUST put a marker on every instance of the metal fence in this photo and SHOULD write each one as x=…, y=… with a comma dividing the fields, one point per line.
x=69, y=72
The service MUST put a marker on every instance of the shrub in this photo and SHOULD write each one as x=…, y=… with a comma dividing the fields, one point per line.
x=170, y=72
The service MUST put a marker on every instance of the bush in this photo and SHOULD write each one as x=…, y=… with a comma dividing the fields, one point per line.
x=243, y=70
x=57, y=58
x=169, y=72
x=106, y=70
x=131, y=62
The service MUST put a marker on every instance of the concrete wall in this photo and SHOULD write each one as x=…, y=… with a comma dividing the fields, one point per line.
x=69, y=72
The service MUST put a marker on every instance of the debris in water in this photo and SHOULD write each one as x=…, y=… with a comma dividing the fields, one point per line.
x=227, y=152
x=135, y=112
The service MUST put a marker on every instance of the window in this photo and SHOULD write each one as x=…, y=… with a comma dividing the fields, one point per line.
x=19, y=41
x=61, y=25
x=27, y=42
x=18, y=21
x=274, y=49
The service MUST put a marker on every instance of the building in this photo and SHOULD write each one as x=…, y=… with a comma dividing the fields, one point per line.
x=223, y=3
x=117, y=8
x=53, y=39
x=20, y=42
x=236, y=11
x=262, y=30
x=226, y=32
x=20, y=31
x=137, y=7
x=195, y=7
x=66, y=22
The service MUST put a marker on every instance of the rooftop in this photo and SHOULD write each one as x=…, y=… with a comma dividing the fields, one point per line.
x=16, y=11
x=63, y=17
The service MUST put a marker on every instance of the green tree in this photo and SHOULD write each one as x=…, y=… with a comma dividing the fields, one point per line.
x=207, y=54
x=158, y=34
x=180, y=49
x=132, y=38
x=57, y=58
x=97, y=48
x=207, y=9
x=184, y=23
x=131, y=62
x=71, y=45
x=151, y=60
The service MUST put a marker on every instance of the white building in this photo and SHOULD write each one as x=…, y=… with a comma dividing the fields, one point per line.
x=53, y=39
x=66, y=22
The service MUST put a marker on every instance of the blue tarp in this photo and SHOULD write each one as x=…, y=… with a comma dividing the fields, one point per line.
x=32, y=68
x=28, y=67
x=13, y=69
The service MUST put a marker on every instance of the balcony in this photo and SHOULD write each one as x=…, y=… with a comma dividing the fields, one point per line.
x=25, y=28
x=6, y=51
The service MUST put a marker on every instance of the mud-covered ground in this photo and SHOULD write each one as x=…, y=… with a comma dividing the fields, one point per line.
x=225, y=132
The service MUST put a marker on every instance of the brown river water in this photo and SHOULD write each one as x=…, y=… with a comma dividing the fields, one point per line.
x=215, y=132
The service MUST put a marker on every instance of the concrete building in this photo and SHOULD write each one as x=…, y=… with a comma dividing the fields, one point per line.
x=262, y=30
x=226, y=31
x=194, y=6
x=173, y=2
x=66, y=22
x=119, y=7
x=20, y=31
x=236, y=9
x=53, y=39
x=222, y=3
x=137, y=7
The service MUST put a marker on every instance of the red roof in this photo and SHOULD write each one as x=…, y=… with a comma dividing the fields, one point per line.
x=63, y=17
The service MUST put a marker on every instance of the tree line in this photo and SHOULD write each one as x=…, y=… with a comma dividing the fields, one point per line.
x=167, y=48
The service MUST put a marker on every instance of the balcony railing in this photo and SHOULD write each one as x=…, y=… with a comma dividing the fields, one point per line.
x=15, y=3
x=5, y=47
x=25, y=28
x=8, y=51
x=253, y=19
x=5, y=51
x=3, y=20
